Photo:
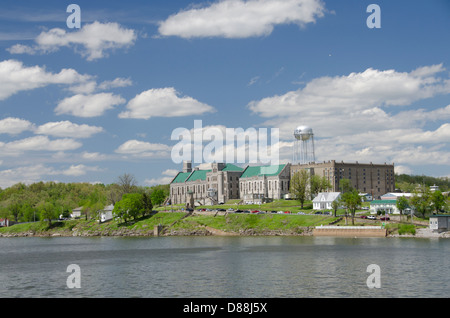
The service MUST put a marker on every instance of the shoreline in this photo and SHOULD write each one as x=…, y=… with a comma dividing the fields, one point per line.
x=204, y=231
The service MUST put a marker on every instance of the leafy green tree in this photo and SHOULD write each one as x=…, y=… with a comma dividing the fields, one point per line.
x=421, y=200
x=131, y=206
x=345, y=185
x=147, y=204
x=402, y=204
x=335, y=206
x=437, y=201
x=157, y=196
x=299, y=186
x=47, y=212
x=351, y=200
x=318, y=184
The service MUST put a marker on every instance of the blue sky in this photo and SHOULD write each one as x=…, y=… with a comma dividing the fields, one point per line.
x=89, y=104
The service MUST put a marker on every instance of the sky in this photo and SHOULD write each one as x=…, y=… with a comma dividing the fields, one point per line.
x=90, y=103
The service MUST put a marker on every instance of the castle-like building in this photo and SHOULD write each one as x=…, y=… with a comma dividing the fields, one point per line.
x=221, y=182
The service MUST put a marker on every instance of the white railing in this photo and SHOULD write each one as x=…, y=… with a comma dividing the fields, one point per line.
x=334, y=227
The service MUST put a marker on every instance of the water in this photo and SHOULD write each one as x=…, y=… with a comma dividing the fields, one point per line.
x=224, y=267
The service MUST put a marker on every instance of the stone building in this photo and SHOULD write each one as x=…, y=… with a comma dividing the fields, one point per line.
x=374, y=179
x=259, y=184
x=217, y=184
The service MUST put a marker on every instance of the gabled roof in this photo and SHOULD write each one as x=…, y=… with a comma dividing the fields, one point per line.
x=326, y=196
x=231, y=167
x=197, y=175
x=181, y=177
x=270, y=170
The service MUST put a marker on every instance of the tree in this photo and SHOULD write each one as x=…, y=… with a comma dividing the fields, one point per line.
x=318, y=184
x=351, y=200
x=147, y=204
x=47, y=212
x=157, y=196
x=127, y=183
x=402, y=204
x=131, y=206
x=345, y=185
x=299, y=186
x=437, y=201
x=335, y=206
x=421, y=200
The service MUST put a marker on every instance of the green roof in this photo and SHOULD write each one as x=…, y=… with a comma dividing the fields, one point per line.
x=271, y=170
x=198, y=175
x=383, y=202
x=181, y=177
x=230, y=167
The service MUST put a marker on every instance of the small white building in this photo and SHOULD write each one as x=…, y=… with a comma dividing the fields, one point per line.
x=106, y=214
x=76, y=213
x=324, y=200
x=440, y=223
x=388, y=206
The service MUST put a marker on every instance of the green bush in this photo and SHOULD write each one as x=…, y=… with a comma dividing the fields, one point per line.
x=406, y=229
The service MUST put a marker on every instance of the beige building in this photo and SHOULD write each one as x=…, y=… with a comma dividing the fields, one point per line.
x=259, y=184
x=374, y=179
x=215, y=185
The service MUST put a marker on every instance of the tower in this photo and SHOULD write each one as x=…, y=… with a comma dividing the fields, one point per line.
x=303, y=145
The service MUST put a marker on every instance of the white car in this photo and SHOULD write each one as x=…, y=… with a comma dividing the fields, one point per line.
x=372, y=217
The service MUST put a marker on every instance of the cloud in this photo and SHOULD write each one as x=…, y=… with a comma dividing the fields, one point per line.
x=355, y=92
x=143, y=149
x=367, y=116
x=88, y=105
x=38, y=143
x=91, y=41
x=67, y=129
x=240, y=19
x=163, y=102
x=166, y=178
x=35, y=173
x=15, y=77
x=14, y=126
x=78, y=170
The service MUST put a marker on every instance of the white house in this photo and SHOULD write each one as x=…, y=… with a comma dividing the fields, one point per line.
x=389, y=206
x=324, y=200
x=76, y=213
x=106, y=213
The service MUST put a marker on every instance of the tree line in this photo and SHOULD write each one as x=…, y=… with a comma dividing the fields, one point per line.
x=50, y=200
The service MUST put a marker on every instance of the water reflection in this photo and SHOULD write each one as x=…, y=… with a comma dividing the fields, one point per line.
x=224, y=267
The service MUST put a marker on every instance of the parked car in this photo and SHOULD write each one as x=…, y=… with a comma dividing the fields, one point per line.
x=280, y=212
x=273, y=211
x=288, y=212
x=255, y=211
x=385, y=218
x=372, y=217
x=363, y=216
x=301, y=213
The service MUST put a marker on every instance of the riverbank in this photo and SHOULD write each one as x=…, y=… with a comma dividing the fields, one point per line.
x=200, y=224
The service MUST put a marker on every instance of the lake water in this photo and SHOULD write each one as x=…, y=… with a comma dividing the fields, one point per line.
x=228, y=267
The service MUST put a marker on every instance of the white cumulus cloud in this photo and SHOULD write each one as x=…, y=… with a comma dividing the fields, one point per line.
x=16, y=77
x=92, y=41
x=163, y=102
x=67, y=129
x=240, y=19
x=91, y=105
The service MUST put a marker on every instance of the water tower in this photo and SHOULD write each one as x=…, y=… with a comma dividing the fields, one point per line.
x=303, y=145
